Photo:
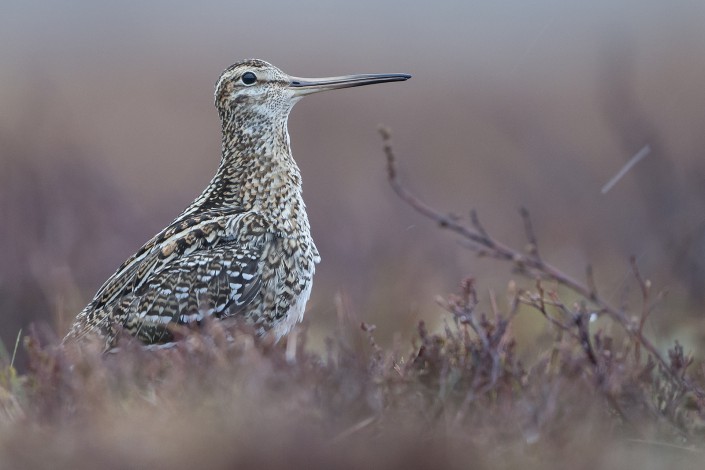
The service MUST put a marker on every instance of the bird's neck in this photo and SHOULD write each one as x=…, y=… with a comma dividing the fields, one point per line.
x=257, y=173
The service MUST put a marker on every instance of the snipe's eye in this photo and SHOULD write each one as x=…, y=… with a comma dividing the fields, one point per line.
x=248, y=78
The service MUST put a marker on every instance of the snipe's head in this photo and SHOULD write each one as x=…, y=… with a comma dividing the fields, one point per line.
x=255, y=87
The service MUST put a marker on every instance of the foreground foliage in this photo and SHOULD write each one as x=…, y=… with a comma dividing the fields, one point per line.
x=588, y=394
x=460, y=396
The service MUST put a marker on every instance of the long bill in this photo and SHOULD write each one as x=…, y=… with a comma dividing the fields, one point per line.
x=306, y=86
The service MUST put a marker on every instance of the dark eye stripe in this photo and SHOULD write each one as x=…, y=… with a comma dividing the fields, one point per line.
x=248, y=78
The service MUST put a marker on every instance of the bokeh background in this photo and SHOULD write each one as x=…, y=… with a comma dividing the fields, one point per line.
x=107, y=131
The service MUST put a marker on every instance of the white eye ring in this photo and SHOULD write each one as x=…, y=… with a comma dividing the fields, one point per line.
x=248, y=78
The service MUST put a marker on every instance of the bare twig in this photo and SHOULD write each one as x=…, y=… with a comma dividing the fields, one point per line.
x=590, y=279
x=357, y=427
x=645, y=150
x=531, y=265
x=581, y=322
x=533, y=247
x=14, y=351
x=480, y=236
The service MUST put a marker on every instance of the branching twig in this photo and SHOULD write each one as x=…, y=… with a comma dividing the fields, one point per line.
x=479, y=235
x=532, y=265
x=533, y=247
x=590, y=279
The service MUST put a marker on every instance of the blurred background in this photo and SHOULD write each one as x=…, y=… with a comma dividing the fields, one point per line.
x=107, y=131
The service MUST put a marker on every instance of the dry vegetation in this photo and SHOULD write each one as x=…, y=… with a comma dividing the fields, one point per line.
x=594, y=394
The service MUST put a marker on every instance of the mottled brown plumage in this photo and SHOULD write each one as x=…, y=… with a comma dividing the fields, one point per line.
x=243, y=248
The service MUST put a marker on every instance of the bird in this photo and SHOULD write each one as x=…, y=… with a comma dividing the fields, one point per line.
x=243, y=248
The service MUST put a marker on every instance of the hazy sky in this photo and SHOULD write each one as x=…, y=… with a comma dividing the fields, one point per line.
x=452, y=35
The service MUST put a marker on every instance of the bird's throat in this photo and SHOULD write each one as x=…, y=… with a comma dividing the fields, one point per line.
x=257, y=173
